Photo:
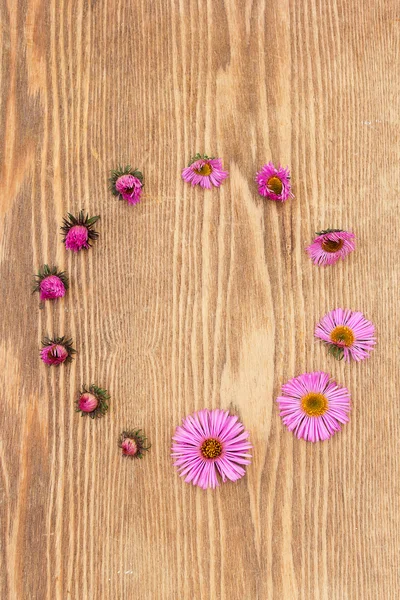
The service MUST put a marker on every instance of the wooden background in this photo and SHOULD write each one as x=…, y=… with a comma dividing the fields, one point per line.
x=197, y=299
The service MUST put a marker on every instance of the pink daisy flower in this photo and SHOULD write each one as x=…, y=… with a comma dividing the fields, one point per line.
x=56, y=351
x=349, y=334
x=78, y=231
x=127, y=184
x=330, y=246
x=204, y=171
x=50, y=283
x=274, y=183
x=208, y=443
x=313, y=406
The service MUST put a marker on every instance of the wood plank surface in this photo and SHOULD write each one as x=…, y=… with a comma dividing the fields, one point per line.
x=197, y=299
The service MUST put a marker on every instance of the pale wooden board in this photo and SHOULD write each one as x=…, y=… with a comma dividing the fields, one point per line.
x=194, y=299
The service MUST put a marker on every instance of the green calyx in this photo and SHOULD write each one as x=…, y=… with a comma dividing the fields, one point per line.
x=336, y=351
x=324, y=231
x=200, y=157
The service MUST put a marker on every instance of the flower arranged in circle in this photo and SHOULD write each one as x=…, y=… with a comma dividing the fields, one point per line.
x=56, y=351
x=204, y=171
x=50, y=283
x=211, y=443
x=78, y=231
x=127, y=184
x=313, y=406
x=348, y=334
x=133, y=444
x=92, y=401
x=274, y=183
x=330, y=245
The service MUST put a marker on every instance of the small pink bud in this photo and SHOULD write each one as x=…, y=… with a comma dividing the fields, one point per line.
x=133, y=444
x=51, y=288
x=129, y=447
x=77, y=238
x=87, y=403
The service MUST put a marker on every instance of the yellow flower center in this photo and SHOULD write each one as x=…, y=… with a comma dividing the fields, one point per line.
x=332, y=245
x=275, y=185
x=211, y=448
x=314, y=404
x=205, y=170
x=343, y=335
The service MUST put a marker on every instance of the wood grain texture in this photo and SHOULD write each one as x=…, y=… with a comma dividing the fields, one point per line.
x=194, y=299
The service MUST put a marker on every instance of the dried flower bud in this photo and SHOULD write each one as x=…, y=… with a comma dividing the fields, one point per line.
x=92, y=401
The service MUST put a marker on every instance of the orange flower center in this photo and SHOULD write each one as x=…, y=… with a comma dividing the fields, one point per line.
x=343, y=336
x=205, y=170
x=314, y=404
x=275, y=185
x=332, y=245
x=211, y=448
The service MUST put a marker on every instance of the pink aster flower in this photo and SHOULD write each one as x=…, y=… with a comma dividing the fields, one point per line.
x=348, y=334
x=208, y=443
x=78, y=231
x=92, y=402
x=204, y=171
x=330, y=245
x=133, y=444
x=56, y=351
x=50, y=283
x=313, y=406
x=274, y=183
x=127, y=184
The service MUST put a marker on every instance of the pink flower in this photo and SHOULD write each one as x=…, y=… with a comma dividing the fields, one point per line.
x=274, y=183
x=127, y=184
x=133, y=444
x=92, y=401
x=77, y=238
x=349, y=334
x=204, y=171
x=78, y=231
x=56, y=351
x=330, y=246
x=313, y=406
x=51, y=288
x=50, y=283
x=208, y=443
x=129, y=188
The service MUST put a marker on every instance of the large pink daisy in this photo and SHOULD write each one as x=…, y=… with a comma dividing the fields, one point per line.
x=274, y=183
x=349, y=334
x=313, y=406
x=208, y=443
x=204, y=171
x=330, y=245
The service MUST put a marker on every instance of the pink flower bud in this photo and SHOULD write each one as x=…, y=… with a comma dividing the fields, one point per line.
x=51, y=288
x=54, y=354
x=87, y=402
x=129, y=187
x=77, y=238
x=129, y=447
